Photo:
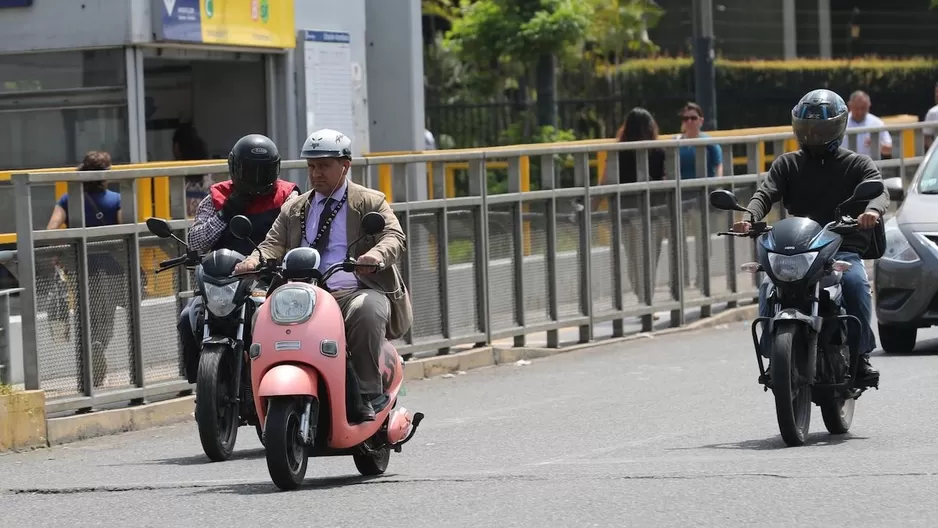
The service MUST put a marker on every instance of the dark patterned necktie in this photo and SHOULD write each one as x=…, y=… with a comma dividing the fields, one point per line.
x=323, y=241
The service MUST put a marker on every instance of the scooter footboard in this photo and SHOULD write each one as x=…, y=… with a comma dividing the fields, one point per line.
x=289, y=380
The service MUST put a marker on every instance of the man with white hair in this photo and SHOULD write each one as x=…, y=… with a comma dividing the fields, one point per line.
x=860, y=117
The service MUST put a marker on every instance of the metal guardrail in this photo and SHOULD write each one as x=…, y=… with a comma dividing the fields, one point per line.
x=153, y=195
x=480, y=268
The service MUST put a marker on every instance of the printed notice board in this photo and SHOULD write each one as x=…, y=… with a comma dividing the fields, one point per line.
x=327, y=60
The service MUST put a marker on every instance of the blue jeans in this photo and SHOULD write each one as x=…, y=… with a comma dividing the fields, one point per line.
x=857, y=298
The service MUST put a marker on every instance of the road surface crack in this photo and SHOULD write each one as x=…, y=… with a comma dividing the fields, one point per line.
x=339, y=482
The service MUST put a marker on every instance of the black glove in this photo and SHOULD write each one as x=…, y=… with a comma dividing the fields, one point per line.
x=234, y=205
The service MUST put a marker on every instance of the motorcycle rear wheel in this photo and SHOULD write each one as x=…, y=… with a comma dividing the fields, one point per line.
x=792, y=404
x=215, y=415
x=287, y=457
x=838, y=415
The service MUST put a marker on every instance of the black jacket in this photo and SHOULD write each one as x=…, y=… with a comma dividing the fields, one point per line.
x=813, y=188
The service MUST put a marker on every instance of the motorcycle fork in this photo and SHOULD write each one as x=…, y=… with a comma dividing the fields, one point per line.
x=766, y=326
x=237, y=349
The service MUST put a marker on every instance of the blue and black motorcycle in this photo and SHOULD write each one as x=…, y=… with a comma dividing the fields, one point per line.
x=806, y=338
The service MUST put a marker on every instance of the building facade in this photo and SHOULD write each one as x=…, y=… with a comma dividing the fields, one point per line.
x=123, y=75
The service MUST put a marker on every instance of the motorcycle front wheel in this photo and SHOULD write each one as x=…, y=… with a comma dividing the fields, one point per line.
x=287, y=457
x=792, y=396
x=216, y=415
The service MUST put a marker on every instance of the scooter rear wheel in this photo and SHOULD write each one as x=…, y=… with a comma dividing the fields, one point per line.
x=287, y=457
x=373, y=465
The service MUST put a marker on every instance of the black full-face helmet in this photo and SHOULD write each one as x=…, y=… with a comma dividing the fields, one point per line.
x=819, y=121
x=254, y=164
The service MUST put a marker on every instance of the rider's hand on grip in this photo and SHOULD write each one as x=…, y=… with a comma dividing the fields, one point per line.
x=367, y=264
x=742, y=227
x=246, y=266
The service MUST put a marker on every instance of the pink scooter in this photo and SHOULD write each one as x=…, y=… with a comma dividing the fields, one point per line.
x=299, y=369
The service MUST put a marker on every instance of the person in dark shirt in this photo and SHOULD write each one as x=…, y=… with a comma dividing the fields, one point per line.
x=811, y=182
x=107, y=280
x=640, y=125
x=102, y=206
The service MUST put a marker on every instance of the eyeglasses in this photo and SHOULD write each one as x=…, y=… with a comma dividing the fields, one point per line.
x=690, y=118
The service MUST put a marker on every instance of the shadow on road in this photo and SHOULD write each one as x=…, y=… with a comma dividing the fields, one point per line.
x=197, y=460
x=263, y=488
x=776, y=442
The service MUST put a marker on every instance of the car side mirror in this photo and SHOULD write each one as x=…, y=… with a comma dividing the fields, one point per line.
x=895, y=189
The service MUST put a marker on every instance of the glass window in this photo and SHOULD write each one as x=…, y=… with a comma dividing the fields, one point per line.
x=928, y=183
x=60, y=137
x=63, y=70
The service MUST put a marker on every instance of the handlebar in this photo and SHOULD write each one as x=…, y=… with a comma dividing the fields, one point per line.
x=190, y=257
x=276, y=269
x=846, y=224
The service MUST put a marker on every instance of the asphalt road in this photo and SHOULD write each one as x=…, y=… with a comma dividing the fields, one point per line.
x=664, y=431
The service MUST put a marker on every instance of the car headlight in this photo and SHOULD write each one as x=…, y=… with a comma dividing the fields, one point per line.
x=292, y=305
x=220, y=299
x=898, y=248
x=791, y=268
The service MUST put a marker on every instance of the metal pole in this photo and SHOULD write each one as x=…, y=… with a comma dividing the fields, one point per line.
x=825, y=41
x=6, y=369
x=789, y=30
x=704, y=73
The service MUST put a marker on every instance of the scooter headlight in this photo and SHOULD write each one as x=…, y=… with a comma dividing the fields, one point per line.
x=292, y=305
x=219, y=299
x=791, y=268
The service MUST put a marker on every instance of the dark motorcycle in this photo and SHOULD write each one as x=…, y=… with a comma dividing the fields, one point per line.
x=807, y=336
x=224, y=400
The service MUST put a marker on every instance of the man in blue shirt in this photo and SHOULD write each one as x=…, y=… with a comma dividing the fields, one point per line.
x=692, y=119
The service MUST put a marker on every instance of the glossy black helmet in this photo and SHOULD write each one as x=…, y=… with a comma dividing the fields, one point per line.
x=254, y=164
x=819, y=121
x=301, y=263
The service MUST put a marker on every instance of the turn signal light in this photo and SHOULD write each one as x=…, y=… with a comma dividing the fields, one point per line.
x=751, y=267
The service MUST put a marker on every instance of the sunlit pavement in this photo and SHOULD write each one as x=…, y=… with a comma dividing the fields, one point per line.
x=664, y=431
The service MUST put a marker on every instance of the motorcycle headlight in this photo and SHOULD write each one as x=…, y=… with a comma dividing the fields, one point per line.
x=898, y=248
x=791, y=268
x=220, y=299
x=292, y=305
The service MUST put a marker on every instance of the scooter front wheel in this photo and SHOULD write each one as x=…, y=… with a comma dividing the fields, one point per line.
x=287, y=457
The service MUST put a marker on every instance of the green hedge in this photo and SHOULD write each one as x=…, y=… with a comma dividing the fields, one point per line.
x=749, y=94
x=762, y=93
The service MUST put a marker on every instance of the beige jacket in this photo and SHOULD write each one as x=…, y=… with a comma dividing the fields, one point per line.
x=389, y=246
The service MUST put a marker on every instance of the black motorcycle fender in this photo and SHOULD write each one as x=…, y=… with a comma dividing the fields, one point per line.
x=812, y=324
x=220, y=340
x=792, y=315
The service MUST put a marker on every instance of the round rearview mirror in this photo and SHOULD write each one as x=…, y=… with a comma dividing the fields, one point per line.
x=240, y=227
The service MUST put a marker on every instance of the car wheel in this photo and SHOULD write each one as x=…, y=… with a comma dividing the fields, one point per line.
x=897, y=339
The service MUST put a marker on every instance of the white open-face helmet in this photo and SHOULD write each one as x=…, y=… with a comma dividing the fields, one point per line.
x=327, y=143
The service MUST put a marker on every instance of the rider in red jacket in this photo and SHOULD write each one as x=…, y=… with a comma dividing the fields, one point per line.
x=256, y=191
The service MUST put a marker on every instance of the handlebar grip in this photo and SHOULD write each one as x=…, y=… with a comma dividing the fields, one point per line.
x=173, y=262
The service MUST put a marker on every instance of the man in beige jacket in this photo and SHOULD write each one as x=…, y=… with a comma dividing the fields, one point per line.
x=375, y=304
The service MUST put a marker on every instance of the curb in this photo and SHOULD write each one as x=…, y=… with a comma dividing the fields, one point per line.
x=498, y=355
x=113, y=421
x=104, y=423
x=22, y=420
